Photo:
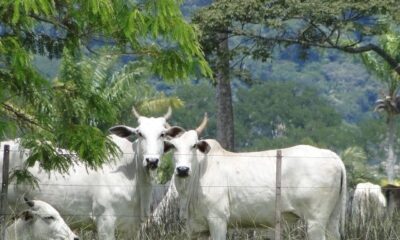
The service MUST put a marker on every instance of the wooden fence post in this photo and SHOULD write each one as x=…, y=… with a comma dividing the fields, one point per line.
x=4, y=191
x=278, y=195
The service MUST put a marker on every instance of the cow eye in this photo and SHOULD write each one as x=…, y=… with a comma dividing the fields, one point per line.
x=162, y=135
x=49, y=218
x=139, y=134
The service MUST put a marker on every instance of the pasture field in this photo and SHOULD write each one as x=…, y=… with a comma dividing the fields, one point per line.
x=171, y=228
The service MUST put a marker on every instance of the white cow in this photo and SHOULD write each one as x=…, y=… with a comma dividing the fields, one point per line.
x=40, y=222
x=368, y=202
x=117, y=195
x=219, y=189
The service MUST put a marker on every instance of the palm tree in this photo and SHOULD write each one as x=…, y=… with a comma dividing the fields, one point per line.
x=390, y=103
x=125, y=85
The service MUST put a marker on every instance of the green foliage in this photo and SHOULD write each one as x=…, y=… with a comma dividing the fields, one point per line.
x=23, y=176
x=342, y=79
x=355, y=160
x=155, y=30
x=390, y=42
x=91, y=92
x=280, y=114
x=198, y=99
x=258, y=28
x=166, y=169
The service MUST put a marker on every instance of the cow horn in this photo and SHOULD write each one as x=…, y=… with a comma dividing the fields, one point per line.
x=135, y=113
x=202, y=125
x=168, y=114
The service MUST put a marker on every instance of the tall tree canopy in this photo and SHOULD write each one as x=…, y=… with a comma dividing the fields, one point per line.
x=256, y=29
x=67, y=112
x=263, y=25
x=390, y=43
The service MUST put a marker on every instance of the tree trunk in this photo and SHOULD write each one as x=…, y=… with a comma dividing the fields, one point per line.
x=391, y=156
x=225, y=127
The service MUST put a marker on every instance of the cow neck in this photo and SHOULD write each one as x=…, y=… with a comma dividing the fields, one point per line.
x=128, y=166
x=17, y=228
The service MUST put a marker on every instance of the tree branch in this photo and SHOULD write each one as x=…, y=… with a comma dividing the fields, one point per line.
x=20, y=115
x=326, y=44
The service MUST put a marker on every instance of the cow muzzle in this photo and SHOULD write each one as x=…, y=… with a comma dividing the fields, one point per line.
x=182, y=171
x=151, y=163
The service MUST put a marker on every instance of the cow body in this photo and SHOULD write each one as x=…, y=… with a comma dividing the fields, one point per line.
x=40, y=222
x=368, y=202
x=117, y=195
x=223, y=189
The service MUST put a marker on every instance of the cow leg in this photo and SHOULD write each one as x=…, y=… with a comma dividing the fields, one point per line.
x=106, y=226
x=315, y=230
x=218, y=228
x=333, y=230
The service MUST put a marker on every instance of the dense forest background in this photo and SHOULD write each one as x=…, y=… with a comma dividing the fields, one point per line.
x=323, y=98
x=294, y=95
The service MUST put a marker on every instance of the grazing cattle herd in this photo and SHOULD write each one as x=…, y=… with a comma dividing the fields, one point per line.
x=216, y=189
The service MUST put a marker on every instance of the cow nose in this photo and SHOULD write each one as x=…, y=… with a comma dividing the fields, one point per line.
x=152, y=163
x=76, y=238
x=182, y=171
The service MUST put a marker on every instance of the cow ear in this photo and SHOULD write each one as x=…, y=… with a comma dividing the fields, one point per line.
x=122, y=131
x=174, y=131
x=203, y=147
x=168, y=146
x=27, y=215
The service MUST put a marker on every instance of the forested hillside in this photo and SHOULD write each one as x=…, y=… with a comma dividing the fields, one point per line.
x=282, y=94
x=319, y=97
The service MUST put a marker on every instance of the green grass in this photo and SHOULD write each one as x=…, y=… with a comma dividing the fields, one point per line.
x=171, y=228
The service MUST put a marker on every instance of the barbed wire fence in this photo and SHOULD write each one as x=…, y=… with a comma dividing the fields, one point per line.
x=278, y=188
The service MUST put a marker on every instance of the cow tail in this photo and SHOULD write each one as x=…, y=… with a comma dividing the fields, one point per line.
x=343, y=199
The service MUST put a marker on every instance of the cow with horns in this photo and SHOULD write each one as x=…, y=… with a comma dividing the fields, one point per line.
x=40, y=221
x=118, y=194
x=218, y=189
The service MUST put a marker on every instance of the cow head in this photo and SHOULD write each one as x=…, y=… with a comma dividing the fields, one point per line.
x=185, y=147
x=151, y=134
x=42, y=221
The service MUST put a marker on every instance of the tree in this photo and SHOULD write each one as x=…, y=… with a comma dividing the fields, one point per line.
x=264, y=25
x=72, y=112
x=198, y=99
x=256, y=28
x=354, y=159
x=225, y=121
x=291, y=114
x=220, y=57
x=390, y=104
